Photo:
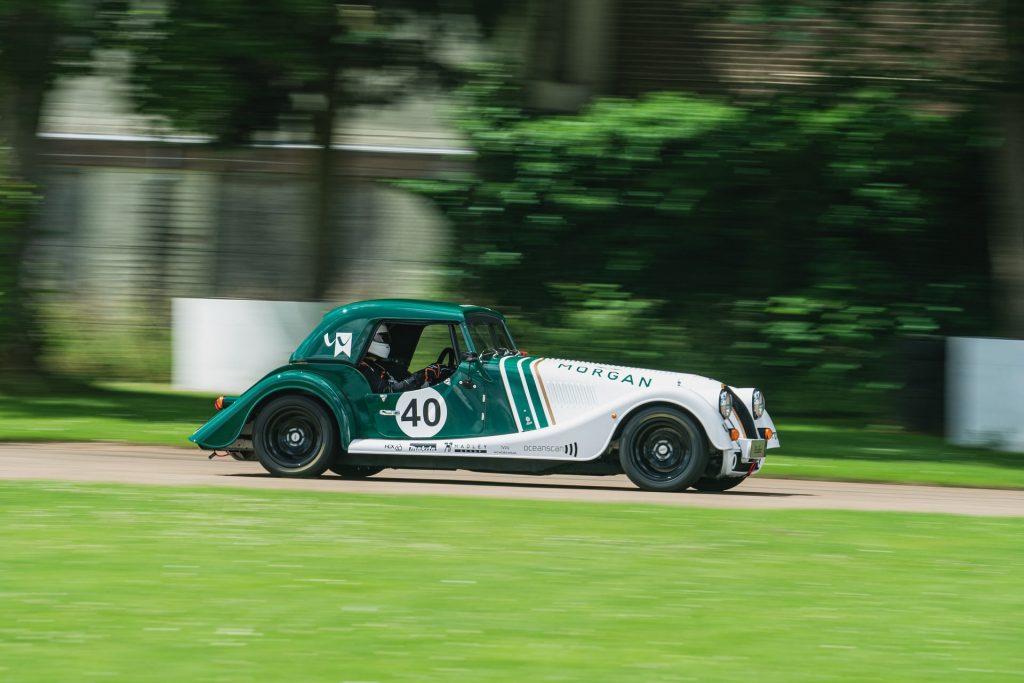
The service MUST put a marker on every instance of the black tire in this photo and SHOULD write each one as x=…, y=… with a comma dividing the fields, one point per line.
x=295, y=436
x=355, y=471
x=663, y=449
x=723, y=484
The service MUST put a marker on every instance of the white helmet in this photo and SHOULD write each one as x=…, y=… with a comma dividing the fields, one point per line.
x=381, y=346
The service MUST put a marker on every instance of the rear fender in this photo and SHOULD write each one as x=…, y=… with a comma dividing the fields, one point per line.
x=224, y=427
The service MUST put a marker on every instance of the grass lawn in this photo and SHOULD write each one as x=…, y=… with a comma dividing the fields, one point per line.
x=816, y=449
x=105, y=583
x=140, y=414
x=830, y=449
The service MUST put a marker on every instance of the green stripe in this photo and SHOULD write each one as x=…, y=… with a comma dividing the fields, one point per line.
x=531, y=385
x=515, y=385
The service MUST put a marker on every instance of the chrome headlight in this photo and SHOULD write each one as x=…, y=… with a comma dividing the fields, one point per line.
x=757, y=403
x=725, y=404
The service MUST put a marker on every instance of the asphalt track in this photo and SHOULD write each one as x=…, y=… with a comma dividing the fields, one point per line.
x=117, y=463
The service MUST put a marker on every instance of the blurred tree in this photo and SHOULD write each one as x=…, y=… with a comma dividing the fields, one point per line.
x=39, y=40
x=792, y=231
x=18, y=347
x=233, y=68
x=1006, y=235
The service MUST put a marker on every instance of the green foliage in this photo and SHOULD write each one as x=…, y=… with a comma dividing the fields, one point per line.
x=229, y=70
x=16, y=340
x=784, y=242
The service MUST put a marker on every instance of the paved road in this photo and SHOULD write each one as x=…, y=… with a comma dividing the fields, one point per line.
x=117, y=463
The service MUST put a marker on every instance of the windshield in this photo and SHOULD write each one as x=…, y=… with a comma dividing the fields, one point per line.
x=490, y=337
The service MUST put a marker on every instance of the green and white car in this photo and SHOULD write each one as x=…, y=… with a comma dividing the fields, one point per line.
x=500, y=410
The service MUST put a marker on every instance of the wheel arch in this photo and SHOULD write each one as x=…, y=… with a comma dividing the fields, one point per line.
x=278, y=393
x=226, y=426
x=707, y=423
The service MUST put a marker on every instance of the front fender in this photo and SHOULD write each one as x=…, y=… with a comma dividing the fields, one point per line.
x=224, y=427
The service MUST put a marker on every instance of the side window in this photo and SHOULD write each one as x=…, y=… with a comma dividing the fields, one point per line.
x=433, y=341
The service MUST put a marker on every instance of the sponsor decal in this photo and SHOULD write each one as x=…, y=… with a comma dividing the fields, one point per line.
x=342, y=343
x=605, y=373
x=392, y=446
x=423, y=447
x=452, y=447
x=570, y=449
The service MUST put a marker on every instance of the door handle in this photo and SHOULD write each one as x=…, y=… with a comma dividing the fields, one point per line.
x=467, y=384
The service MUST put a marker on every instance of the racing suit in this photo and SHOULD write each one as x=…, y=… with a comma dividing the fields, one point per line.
x=381, y=376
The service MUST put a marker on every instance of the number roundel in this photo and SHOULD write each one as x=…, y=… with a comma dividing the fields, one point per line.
x=421, y=413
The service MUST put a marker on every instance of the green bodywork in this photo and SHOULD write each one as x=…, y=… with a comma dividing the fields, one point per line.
x=316, y=369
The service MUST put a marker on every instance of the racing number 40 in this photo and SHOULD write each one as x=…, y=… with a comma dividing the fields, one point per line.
x=431, y=414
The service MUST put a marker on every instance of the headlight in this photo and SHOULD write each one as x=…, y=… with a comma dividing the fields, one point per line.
x=725, y=404
x=758, y=403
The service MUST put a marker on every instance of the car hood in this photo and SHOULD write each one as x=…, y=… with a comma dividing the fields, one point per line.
x=583, y=383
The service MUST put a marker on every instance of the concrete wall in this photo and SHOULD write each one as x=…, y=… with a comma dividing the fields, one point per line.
x=985, y=392
x=224, y=345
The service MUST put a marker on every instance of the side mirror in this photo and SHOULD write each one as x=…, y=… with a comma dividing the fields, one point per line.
x=469, y=356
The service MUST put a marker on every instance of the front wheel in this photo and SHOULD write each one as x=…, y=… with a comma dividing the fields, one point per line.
x=295, y=436
x=663, y=449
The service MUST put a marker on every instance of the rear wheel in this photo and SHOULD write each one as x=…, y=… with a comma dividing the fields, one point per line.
x=663, y=449
x=723, y=484
x=295, y=436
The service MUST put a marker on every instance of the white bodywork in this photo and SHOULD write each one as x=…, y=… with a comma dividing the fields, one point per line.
x=567, y=410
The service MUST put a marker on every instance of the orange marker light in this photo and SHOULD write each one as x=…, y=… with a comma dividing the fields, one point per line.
x=768, y=433
x=734, y=433
x=219, y=403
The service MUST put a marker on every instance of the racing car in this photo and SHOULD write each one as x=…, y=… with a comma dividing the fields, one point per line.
x=496, y=409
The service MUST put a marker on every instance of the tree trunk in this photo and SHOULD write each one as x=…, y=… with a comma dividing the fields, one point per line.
x=323, y=242
x=1006, y=235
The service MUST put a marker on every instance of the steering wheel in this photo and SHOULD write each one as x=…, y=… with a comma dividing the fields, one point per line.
x=447, y=358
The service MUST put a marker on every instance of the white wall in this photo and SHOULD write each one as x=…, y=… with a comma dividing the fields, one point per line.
x=985, y=392
x=225, y=345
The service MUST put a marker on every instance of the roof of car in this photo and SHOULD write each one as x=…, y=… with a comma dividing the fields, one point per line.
x=355, y=322
x=407, y=309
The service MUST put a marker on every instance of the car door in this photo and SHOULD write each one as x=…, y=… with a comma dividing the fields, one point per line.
x=454, y=408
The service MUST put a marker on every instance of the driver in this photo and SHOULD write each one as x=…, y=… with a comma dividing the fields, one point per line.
x=381, y=372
